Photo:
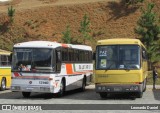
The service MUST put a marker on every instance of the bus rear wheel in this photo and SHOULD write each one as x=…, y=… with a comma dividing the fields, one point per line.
x=3, y=84
x=26, y=94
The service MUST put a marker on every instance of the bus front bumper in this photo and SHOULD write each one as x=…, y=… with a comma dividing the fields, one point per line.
x=31, y=89
x=113, y=88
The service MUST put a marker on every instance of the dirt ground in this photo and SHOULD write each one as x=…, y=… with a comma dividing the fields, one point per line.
x=29, y=4
x=47, y=19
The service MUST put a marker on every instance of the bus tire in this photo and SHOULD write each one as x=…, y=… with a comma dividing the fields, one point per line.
x=144, y=85
x=139, y=94
x=103, y=95
x=62, y=89
x=83, y=87
x=3, y=84
x=26, y=94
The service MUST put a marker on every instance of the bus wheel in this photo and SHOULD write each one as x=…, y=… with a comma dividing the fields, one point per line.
x=139, y=94
x=62, y=89
x=3, y=84
x=26, y=94
x=144, y=85
x=103, y=95
x=83, y=84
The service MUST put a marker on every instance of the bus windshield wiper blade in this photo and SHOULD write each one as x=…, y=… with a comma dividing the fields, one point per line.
x=127, y=67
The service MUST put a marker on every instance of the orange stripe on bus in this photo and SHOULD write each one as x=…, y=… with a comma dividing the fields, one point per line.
x=64, y=45
x=69, y=69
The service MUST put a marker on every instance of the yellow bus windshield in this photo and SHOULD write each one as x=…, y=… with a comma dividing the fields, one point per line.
x=118, y=57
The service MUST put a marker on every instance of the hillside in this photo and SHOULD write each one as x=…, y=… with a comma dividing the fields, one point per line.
x=47, y=19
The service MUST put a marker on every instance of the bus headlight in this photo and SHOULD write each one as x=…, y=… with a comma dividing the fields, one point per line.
x=15, y=87
x=99, y=88
x=103, y=88
x=136, y=88
x=133, y=88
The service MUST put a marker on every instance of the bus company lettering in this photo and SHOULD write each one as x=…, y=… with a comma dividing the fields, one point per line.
x=84, y=67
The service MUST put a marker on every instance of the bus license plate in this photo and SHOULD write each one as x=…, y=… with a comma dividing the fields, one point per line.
x=29, y=88
x=117, y=89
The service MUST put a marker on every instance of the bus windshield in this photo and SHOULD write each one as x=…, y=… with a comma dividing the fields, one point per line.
x=36, y=59
x=126, y=57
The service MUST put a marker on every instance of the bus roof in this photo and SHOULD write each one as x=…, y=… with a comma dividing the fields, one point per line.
x=4, y=52
x=48, y=44
x=119, y=41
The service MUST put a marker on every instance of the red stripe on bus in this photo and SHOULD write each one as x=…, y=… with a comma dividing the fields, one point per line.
x=32, y=77
x=16, y=74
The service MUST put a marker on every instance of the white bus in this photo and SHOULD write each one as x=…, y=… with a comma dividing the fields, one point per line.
x=51, y=67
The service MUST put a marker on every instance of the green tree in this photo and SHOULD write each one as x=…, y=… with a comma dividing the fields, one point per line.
x=67, y=35
x=85, y=29
x=149, y=30
x=11, y=13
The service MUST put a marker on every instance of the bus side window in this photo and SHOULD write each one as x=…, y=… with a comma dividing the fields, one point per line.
x=65, y=54
x=5, y=60
x=77, y=55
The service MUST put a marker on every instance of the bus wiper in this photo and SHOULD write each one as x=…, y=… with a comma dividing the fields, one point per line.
x=127, y=67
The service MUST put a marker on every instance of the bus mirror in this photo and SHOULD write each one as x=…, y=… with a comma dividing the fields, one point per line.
x=143, y=55
x=94, y=56
x=10, y=57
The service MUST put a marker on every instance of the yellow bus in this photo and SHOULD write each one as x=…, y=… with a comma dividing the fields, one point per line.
x=121, y=67
x=5, y=70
